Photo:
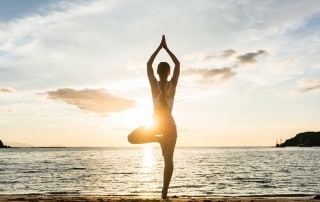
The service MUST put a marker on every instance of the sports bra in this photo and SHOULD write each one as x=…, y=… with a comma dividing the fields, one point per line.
x=169, y=99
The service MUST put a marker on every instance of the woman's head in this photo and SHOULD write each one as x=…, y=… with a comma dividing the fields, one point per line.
x=163, y=70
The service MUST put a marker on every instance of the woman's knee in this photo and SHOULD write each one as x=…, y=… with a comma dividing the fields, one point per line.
x=168, y=162
x=168, y=157
x=131, y=139
x=134, y=136
x=141, y=135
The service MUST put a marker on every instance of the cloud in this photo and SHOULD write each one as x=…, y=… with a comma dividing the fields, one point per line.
x=98, y=101
x=211, y=75
x=7, y=90
x=249, y=58
x=9, y=108
x=224, y=55
x=307, y=85
x=42, y=44
x=227, y=53
x=226, y=58
x=225, y=62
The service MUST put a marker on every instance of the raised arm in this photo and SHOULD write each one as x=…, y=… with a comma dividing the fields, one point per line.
x=176, y=71
x=152, y=78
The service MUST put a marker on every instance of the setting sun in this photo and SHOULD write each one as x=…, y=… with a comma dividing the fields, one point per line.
x=141, y=115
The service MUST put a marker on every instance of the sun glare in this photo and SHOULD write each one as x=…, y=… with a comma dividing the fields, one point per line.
x=141, y=115
x=147, y=162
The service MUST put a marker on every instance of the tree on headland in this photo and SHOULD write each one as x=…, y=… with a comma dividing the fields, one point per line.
x=305, y=139
x=3, y=145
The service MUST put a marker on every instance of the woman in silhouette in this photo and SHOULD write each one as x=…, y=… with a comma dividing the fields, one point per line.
x=164, y=130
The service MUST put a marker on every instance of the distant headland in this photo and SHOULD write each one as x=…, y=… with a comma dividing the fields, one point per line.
x=3, y=145
x=305, y=139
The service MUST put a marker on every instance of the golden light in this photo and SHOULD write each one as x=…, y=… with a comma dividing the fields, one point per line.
x=147, y=163
x=147, y=176
x=141, y=115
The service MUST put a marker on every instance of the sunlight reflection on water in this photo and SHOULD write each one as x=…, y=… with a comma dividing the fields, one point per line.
x=147, y=162
x=150, y=176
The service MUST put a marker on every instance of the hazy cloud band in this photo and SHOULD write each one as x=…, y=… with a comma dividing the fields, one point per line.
x=98, y=101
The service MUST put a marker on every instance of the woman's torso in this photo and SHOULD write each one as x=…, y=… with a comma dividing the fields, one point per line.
x=163, y=98
x=162, y=111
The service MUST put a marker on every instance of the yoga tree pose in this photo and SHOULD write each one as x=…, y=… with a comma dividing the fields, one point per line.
x=164, y=130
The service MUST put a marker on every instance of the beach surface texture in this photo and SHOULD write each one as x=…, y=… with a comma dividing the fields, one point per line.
x=100, y=198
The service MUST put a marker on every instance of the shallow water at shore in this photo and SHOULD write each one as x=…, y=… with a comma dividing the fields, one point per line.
x=138, y=171
x=100, y=198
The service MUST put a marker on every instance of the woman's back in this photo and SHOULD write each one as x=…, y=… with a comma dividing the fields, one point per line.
x=163, y=98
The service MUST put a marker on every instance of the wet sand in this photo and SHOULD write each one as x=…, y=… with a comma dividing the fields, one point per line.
x=100, y=198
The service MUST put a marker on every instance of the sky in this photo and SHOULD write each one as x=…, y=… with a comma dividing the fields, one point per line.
x=73, y=73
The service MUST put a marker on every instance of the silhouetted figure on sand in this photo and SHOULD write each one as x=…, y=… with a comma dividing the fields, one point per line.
x=164, y=130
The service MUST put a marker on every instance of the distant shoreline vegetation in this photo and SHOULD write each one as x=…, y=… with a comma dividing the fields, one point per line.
x=3, y=145
x=305, y=139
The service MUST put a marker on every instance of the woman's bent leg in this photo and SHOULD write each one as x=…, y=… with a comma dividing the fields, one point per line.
x=142, y=135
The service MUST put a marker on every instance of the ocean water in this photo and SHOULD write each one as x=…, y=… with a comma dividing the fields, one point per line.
x=138, y=171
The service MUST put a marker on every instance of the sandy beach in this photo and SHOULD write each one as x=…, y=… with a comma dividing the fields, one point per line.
x=100, y=198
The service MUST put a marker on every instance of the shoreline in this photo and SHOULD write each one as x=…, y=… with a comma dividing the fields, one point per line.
x=100, y=198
